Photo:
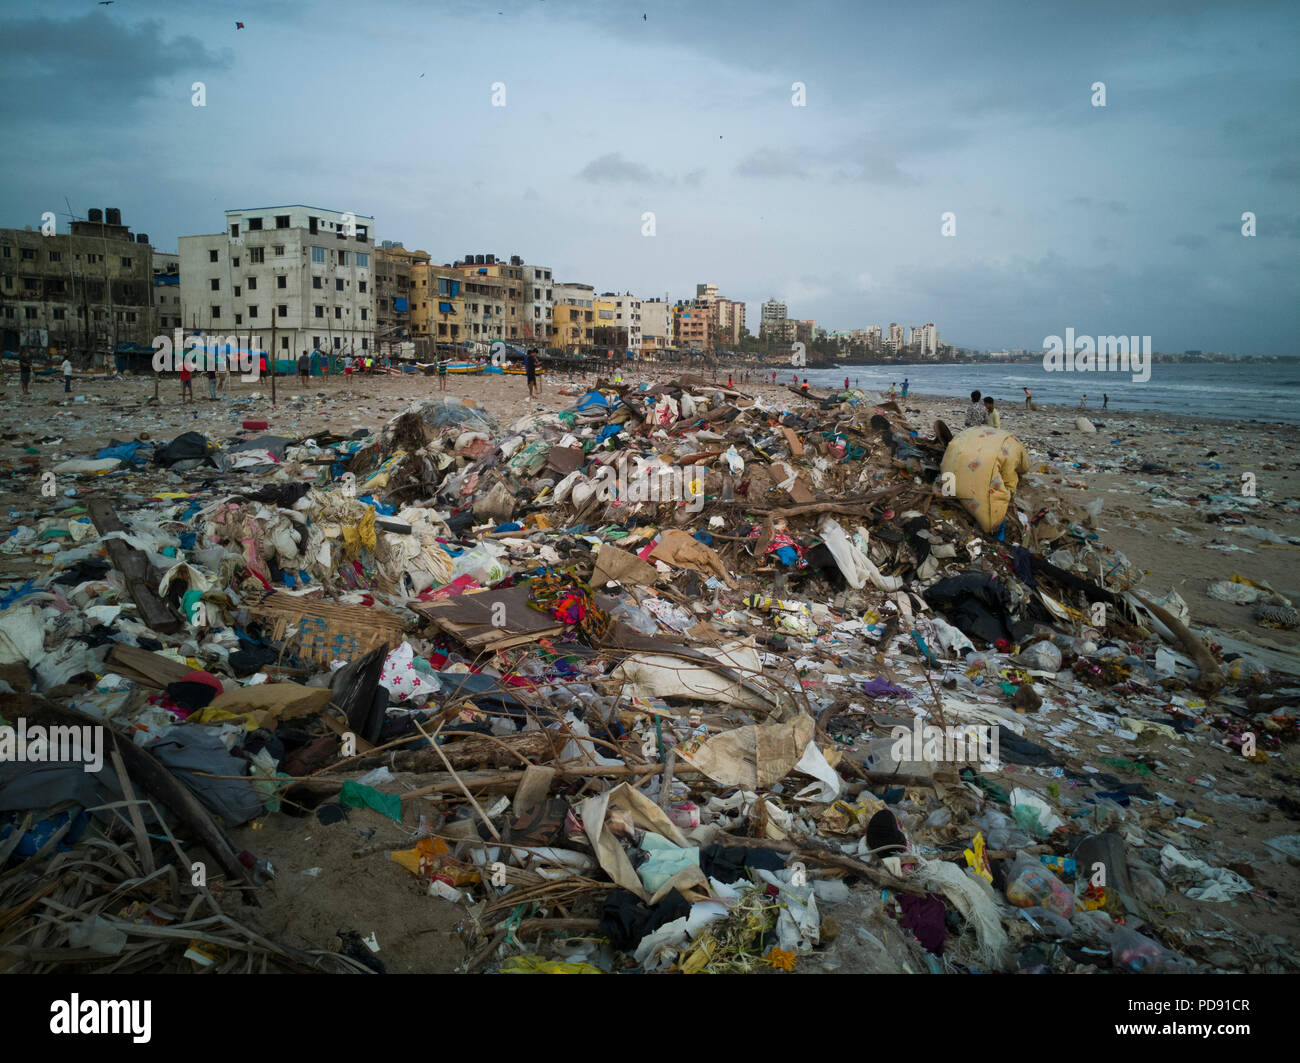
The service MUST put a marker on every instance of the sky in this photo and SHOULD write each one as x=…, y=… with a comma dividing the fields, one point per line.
x=1116, y=219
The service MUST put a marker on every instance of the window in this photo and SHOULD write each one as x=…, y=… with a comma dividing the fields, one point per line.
x=282, y=281
x=212, y=256
x=130, y=316
x=55, y=256
x=278, y=250
x=315, y=282
x=238, y=291
x=363, y=260
x=216, y=284
x=284, y=343
x=338, y=284
x=343, y=258
x=234, y=232
x=9, y=311
x=239, y=319
x=252, y=311
x=235, y=262
x=6, y=251
x=311, y=226
x=442, y=328
x=282, y=221
x=338, y=312
x=361, y=287
x=315, y=341
x=363, y=313
x=60, y=313
x=214, y=312
x=252, y=284
x=126, y=262
x=257, y=254
x=29, y=312
x=28, y=253
x=283, y=309
x=338, y=342
x=254, y=224
x=365, y=343
x=320, y=311
x=317, y=253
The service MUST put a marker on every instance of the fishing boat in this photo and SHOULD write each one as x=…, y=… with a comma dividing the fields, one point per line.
x=511, y=370
x=465, y=367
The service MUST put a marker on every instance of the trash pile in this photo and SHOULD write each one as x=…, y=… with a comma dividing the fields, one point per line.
x=673, y=679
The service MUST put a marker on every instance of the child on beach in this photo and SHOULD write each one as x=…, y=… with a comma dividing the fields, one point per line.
x=994, y=418
x=187, y=384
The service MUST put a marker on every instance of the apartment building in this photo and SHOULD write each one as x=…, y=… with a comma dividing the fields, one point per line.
x=301, y=273
x=79, y=292
x=167, y=293
x=625, y=321
x=575, y=316
x=393, y=272
x=437, y=304
x=656, y=325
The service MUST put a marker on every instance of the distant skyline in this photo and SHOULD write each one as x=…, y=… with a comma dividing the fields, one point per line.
x=1123, y=219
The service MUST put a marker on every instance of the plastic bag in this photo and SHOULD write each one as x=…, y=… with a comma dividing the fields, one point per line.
x=1032, y=885
x=481, y=563
x=1137, y=954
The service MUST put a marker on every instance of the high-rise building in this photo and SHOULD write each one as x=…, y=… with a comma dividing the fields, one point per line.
x=305, y=269
x=894, y=343
x=80, y=292
x=772, y=324
x=539, y=303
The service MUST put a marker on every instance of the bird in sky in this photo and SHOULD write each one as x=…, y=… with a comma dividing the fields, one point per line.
x=105, y=3
x=643, y=18
x=239, y=25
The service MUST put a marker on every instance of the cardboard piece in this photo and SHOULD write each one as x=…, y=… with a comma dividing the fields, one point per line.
x=613, y=563
x=676, y=547
x=264, y=705
x=754, y=757
x=491, y=621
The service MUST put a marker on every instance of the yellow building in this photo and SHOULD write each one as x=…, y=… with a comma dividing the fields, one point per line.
x=437, y=304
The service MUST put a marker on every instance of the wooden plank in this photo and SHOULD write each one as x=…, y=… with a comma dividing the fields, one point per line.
x=135, y=568
x=145, y=666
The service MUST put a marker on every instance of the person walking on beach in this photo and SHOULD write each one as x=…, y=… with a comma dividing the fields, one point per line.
x=212, y=381
x=187, y=383
x=904, y=387
x=442, y=374
x=1083, y=403
x=994, y=418
x=975, y=412
x=846, y=383
x=67, y=375
x=1028, y=397
x=1105, y=400
x=530, y=370
x=25, y=370
x=304, y=370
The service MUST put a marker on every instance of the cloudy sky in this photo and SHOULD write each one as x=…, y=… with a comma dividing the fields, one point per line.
x=1117, y=219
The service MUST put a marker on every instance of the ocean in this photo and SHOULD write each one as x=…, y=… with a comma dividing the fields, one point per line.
x=1246, y=391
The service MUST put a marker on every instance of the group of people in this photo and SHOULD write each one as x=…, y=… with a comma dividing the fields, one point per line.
x=983, y=411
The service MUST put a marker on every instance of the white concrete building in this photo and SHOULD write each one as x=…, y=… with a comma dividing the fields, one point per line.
x=539, y=304
x=306, y=269
x=656, y=323
x=627, y=315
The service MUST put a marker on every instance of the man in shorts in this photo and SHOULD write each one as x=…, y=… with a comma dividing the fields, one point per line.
x=530, y=369
x=304, y=370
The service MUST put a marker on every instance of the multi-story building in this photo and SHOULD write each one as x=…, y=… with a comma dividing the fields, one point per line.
x=301, y=274
x=539, y=303
x=393, y=271
x=693, y=325
x=894, y=343
x=167, y=293
x=927, y=343
x=805, y=331
x=85, y=291
x=730, y=321
x=575, y=314
x=873, y=338
x=626, y=321
x=437, y=306
x=656, y=325
x=771, y=325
